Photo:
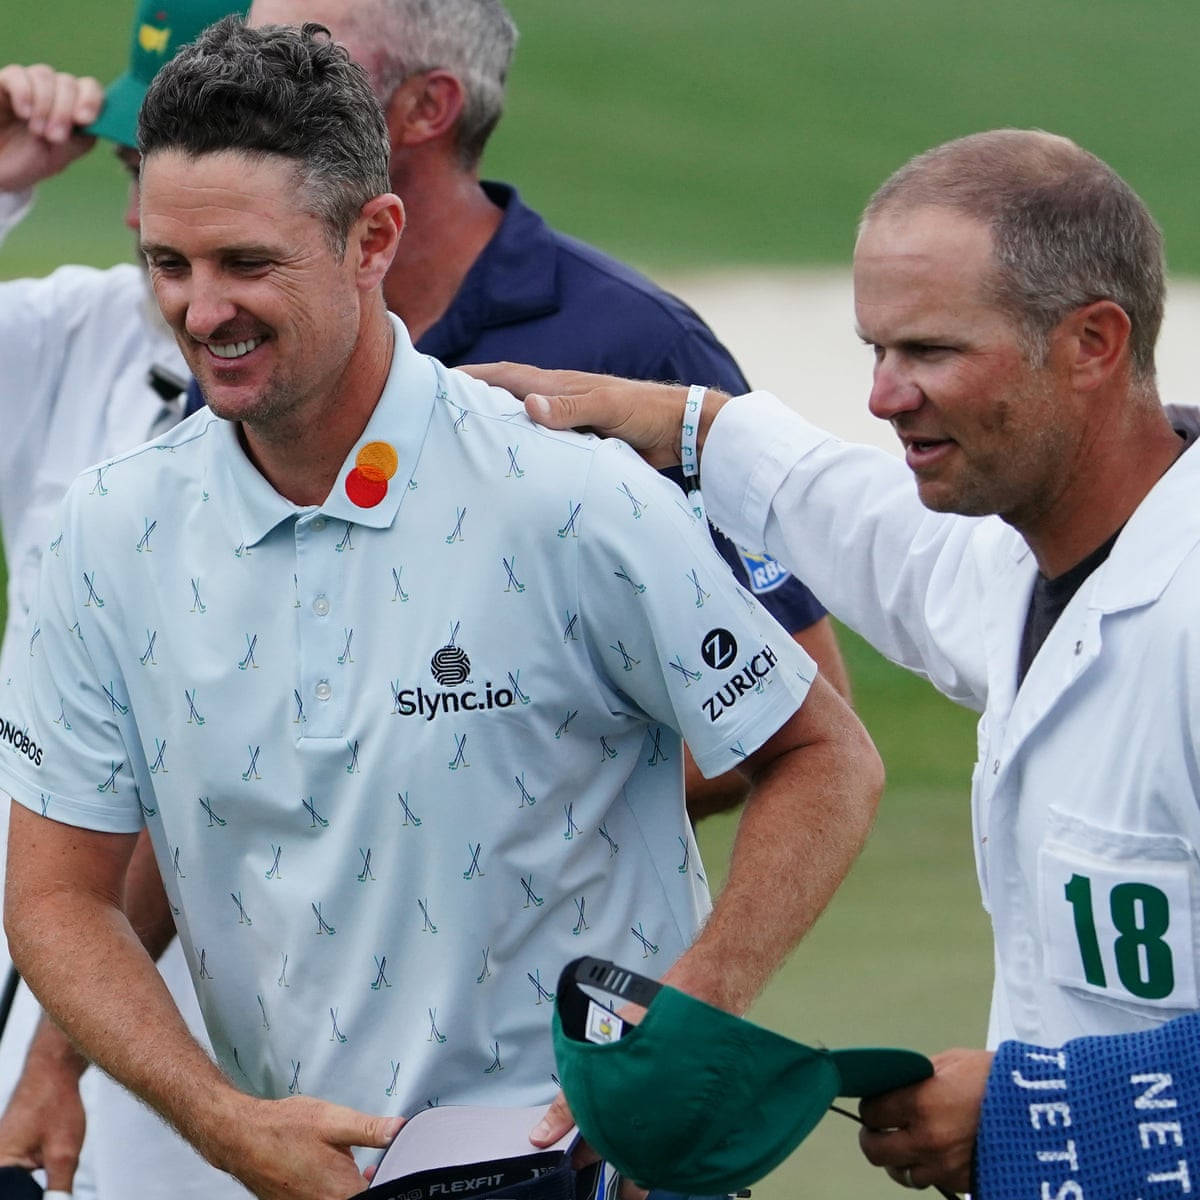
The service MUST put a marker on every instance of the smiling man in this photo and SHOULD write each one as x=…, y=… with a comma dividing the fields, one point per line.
x=395, y=681
x=1044, y=570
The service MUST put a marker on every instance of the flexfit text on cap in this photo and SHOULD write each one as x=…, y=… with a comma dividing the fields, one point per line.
x=694, y=1099
x=160, y=28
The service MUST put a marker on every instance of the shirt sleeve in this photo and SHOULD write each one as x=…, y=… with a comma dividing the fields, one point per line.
x=779, y=591
x=672, y=634
x=696, y=356
x=847, y=519
x=68, y=759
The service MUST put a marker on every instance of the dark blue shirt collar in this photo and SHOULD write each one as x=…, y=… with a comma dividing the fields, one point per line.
x=513, y=279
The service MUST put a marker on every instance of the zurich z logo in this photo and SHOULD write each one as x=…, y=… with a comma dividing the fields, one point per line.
x=718, y=649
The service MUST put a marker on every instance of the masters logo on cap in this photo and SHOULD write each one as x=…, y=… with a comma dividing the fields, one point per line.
x=159, y=30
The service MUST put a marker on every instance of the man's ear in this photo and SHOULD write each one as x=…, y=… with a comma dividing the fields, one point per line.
x=374, y=237
x=1096, y=342
x=425, y=107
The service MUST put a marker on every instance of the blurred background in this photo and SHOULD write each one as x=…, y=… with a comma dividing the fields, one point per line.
x=727, y=150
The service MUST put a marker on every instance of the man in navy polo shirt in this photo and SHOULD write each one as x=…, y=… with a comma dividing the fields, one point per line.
x=480, y=277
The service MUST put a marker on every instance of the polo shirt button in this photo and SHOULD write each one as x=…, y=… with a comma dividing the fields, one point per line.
x=321, y=605
x=323, y=691
x=318, y=523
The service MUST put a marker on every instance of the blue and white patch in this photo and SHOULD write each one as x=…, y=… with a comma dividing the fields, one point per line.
x=765, y=573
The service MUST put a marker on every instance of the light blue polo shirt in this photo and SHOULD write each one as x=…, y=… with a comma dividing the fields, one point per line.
x=404, y=755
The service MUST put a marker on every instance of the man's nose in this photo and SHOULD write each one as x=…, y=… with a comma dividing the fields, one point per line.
x=208, y=306
x=893, y=390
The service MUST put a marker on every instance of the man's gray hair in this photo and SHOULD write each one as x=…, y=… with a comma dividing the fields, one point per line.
x=472, y=39
x=1066, y=229
x=276, y=91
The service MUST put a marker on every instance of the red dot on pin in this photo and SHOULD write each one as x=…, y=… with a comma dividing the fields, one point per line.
x=363, y=490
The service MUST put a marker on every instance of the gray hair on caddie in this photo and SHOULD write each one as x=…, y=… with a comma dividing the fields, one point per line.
x=276, y=91
x=472, y=39
x=1066, y=229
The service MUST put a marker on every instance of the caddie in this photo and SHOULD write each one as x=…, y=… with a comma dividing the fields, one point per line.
x=1043, y=570
x=395, y=681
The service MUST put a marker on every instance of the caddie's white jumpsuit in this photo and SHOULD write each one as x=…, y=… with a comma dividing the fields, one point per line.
x=76, y=348
x=1084, y=796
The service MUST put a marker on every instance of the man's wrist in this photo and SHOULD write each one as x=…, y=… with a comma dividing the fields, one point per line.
x=51, y=1049
x=218, y=1125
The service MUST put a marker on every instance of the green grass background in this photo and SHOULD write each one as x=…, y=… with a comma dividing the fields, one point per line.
x=692, y=133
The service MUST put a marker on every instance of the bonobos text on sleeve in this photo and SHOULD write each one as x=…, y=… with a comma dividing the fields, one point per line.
x=73, y=763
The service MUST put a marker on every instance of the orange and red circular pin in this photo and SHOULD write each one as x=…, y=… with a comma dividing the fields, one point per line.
x=374, y=465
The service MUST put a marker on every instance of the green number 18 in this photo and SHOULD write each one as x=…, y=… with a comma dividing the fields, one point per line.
x=1141, y=915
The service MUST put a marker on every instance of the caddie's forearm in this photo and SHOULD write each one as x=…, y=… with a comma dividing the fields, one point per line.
x=95, y=979
x=806, y=820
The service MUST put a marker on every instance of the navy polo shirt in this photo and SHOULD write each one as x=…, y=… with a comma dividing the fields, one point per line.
x=538, y=296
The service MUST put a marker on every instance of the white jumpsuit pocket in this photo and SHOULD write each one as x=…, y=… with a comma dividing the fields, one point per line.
x=1118, y=915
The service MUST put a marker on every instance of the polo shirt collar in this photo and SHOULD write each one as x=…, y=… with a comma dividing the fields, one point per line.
x=514, y=279
x=373, y=480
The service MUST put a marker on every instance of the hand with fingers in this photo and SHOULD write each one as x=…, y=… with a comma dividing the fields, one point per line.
x=558, y=1119
x=924, y=1135
x=298, y=1148
x=649, y=416
x=41, y=112
x=43, y=1125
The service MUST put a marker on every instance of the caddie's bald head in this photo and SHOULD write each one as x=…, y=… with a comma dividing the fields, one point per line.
x=1066, y=229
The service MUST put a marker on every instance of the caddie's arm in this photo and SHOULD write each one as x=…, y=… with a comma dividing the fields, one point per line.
x=40, y=112
x=648, y=416
x=1103, y=1115
x=73, y=942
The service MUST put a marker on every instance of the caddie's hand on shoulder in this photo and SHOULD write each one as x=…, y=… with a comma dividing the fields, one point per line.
x=646, y=415
x=298, y=1148
x=41, y=111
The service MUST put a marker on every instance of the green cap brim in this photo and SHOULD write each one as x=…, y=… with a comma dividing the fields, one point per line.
x=118, y=119
x=867, y=1071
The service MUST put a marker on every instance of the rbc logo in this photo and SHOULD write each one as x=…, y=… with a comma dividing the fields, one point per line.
x=765, y=573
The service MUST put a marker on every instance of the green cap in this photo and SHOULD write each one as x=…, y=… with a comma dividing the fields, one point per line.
x=694, y=1099
x=160, y=28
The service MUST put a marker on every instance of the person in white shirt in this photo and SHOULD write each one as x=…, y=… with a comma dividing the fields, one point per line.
x=395, y=681
x=90, y=368
x=1044, y=571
